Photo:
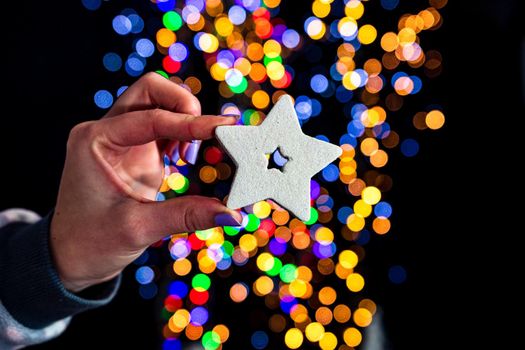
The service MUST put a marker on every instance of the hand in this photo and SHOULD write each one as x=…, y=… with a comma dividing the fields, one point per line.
x=105, y=215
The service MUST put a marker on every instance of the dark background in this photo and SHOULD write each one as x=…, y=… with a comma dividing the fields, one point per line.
x=53, y=66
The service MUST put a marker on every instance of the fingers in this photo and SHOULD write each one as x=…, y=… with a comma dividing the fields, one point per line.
x=141, y=127
x=154, y=91
x=184, y=214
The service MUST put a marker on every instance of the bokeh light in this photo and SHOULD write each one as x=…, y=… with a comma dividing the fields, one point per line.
x=341, y=58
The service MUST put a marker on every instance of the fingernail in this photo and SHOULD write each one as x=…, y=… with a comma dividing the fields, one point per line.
x=192, y=151
x=226, y=219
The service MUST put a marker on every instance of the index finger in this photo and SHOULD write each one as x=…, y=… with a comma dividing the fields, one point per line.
x=141, y=127
x=154, y=91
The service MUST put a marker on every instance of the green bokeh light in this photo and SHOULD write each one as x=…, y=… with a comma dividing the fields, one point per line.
x=202, y=281
x=277, y=265
x=288, y=273
x=172, y=20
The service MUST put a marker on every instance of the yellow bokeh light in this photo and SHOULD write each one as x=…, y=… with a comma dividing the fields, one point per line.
x=328, y=341
x=265, y=261
x=218, y=71
x=180, y=318
x=165, y=37
x=224, y=26
x=351, y=80
x=347, y=27
x=435, y=119
x=362, y=208
x=406, y=36
x=321, y=9
x=362, y=317
x=324, y=235
x=389, y=42
x=354, y=9
x=352, y=337
x=371, y=195
x=176, y=181
x=355, y=282
x=272, y=48
x=208, y=43
x=261, y=100
x=263, y=285
x=293, y=338
x=348, y=259
x=367, y=34
x=355, y=222
x=207, y=265
x=248, y=243
x=275, y=70
x=182, y=267
x=368, y=146
x=316, y=29
x=272, y=3
x=314, y=331
x=298, y=288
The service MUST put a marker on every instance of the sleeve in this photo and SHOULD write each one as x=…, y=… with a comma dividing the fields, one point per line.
x=34, y=305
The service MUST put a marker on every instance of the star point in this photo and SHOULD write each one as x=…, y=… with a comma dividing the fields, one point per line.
x=253, y=181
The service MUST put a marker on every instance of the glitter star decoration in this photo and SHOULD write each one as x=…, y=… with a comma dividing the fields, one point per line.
x=250, y=148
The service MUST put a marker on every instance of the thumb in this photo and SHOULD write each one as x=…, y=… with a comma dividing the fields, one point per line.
x=184, y=214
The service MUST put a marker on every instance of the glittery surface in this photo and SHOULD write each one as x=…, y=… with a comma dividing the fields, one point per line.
x=249, y=145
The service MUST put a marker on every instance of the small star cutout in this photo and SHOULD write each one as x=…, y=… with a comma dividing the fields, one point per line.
x=249, y=147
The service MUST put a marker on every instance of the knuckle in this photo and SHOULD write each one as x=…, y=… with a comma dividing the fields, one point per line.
x=81, y=132
x=190, y=219
x=150, y=78
x=154, y=113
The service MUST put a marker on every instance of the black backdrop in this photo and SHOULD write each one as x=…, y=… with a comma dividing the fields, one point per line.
x=53, y=66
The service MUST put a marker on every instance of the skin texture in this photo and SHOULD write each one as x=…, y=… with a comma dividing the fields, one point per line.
x=105, y=215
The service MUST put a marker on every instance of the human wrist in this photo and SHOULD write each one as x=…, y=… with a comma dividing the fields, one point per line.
x=72, y=265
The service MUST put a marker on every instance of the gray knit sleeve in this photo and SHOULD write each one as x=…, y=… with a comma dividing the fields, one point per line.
x=34, y=305
x=14, y=335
